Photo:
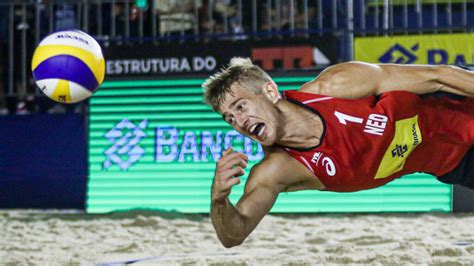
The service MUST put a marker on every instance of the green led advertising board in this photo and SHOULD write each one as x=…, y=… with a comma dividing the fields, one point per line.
x=154, y=144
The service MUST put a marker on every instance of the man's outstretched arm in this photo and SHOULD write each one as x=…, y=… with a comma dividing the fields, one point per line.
x=234, y=224
x=358, y=79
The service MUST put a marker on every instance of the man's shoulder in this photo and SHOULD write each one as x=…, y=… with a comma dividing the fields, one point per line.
x=271, y=171
x=272, y=159
x=277, y=162
x=279, y=169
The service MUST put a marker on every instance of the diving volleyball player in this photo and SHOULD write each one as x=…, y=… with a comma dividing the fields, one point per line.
x=356, y=126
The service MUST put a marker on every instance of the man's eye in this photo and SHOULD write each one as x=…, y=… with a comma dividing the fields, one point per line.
x=240, y=106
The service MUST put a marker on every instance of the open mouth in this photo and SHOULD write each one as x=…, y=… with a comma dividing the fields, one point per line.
x=257, y=129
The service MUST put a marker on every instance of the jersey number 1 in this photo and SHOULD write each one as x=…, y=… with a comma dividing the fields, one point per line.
x=375, y=125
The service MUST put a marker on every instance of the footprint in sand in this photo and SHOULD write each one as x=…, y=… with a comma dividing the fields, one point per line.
x=447, y=252
x=316, y=241
x=368, y=240
x=470, y=250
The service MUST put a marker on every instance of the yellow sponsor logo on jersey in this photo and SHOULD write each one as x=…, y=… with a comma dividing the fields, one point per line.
x=407, y=137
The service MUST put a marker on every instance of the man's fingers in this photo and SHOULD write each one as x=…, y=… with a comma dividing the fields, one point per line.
x=228, y=169
x=231, y=154
x=234, y=181
x=236, y=171
x=235, y=161
x=226, y=187
x=226, y=175
x=227, y=160
x=228, y=151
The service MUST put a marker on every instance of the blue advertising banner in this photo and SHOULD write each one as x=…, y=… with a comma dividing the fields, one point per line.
x=43, y=161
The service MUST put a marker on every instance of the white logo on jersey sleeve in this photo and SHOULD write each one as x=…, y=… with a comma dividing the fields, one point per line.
x=316, y=157
x=330, y=167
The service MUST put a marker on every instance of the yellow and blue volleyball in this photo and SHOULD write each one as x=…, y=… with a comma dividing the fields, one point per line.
x=68, y=66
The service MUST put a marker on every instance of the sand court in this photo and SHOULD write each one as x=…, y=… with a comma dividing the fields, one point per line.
x=146, y=237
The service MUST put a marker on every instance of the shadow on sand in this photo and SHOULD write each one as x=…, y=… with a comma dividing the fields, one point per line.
x=35, y=215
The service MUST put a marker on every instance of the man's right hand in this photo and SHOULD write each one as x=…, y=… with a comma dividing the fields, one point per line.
x=234, y=223
x=228, y=169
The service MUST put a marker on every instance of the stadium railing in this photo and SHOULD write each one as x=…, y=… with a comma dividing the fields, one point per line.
x=24, y=22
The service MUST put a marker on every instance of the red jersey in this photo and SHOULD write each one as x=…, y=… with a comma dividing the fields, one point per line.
x=369, y=142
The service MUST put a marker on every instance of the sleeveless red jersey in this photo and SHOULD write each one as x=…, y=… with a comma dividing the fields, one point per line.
x=369, y=142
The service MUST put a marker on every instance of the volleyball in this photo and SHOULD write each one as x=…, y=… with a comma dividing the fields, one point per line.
x=68, y=66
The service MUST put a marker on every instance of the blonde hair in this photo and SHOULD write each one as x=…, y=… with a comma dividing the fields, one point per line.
x=239, y=71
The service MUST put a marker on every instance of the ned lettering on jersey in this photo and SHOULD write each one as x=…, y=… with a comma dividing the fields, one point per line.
x=365, y=124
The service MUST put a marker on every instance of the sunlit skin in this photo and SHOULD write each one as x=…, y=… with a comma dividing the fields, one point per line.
x=268, y=119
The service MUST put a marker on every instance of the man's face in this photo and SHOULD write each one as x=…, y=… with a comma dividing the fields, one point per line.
x=252, y=114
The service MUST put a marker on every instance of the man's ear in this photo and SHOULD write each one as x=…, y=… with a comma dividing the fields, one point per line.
x=270, y=90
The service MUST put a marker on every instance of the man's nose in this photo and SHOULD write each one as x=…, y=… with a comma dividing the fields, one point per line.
x=240, y=119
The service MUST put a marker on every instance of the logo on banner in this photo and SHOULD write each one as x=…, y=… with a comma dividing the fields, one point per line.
x=201, y=147
x=161, y=65
x=173, y=145
x=125, y=138
x=289, y=57
x=398, y=54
